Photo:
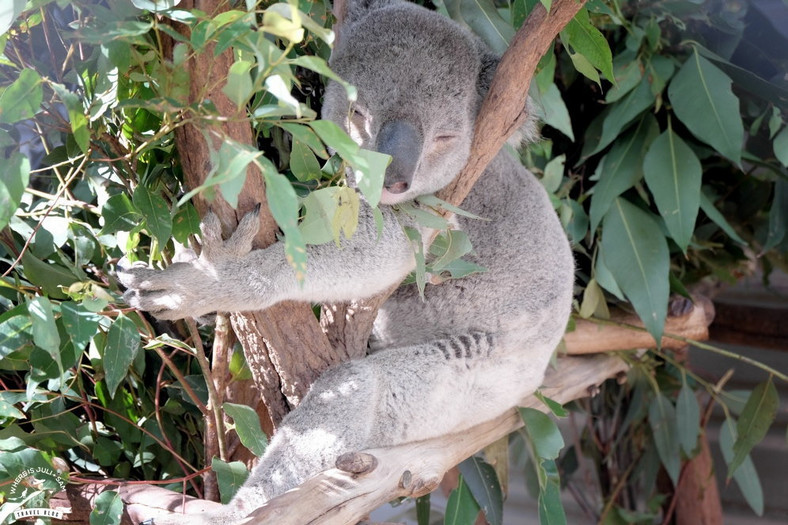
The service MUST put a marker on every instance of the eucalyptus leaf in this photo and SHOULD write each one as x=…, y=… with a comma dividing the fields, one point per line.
x=14, y=178
x=229, y=476
x=107, y=509
x=718, y=218
x=461, y=508
x=688, y=419
x=482, y=480
x=636, y=253
x=16, y=330
x=756, y=418
x=664, y=428
x=22, y=99
x=123, y=343
x=746, y=476
x=780, y=146
x=588, y=41
x=673, y=174
x=702, y=98
x=283, y=203
x=154, y=208
x=542, y=432
x=247, y=426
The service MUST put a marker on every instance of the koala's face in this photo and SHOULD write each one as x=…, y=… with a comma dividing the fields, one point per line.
x=416, y=74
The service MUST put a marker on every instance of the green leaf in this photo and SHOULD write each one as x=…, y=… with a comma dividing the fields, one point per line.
x=283, y=203
x=461, y=508
x=22, y=99
x=551, y=508
x=552, y=110
x=14, y=178
x=588, y=41
x=280, y=89
x=628, y=73
x=420, y=273
x=156, y=212
x=688, y=418
x=247, y=426
x=80, y=323
x=555, y=407
x=780, y=146
x=239, y=87
x=756, y=418
x=303, y=134
x=186, y=222
x=622, y=113
x=621, y=168
x=542, y=432
x=229, y=476
x=673, y=174
x=423, y=510
x=485, y=21
x=746, y=476
x=335, y=138
x=119, y=214
x=319, y=65
x=481, y=479
x=778, y=216
x=718, y=218
x=370, y=174
x=702, y=98
x=107, y=510
x=76, y=115
x=123, y=343
x=45, y=334
x=303, y=162
x=662, y=419
x=15, y=330
x=554, y=174
x=636, y=253
x=50, y=277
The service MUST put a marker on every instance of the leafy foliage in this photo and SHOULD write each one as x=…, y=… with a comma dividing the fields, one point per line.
x=665, y=157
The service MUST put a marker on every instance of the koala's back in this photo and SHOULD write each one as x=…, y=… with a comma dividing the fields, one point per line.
x=527, y=285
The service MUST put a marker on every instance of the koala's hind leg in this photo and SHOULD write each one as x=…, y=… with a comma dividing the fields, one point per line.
x=392, y=397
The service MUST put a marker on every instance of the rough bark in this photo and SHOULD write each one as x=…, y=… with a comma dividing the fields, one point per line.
x=272, y=338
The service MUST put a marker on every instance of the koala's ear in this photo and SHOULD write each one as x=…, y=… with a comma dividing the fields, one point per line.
x=489, y=63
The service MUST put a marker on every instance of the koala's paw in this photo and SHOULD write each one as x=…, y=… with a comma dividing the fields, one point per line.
x=195, y=287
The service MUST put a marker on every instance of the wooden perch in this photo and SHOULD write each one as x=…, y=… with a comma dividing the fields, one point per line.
x=625, y=331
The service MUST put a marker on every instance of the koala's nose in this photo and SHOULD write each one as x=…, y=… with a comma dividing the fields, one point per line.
x=401, y=140
x=398, y=187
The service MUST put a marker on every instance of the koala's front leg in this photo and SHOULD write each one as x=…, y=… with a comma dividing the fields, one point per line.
x=214, y=281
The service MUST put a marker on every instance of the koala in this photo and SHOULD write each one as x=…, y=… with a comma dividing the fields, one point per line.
x=468, y=350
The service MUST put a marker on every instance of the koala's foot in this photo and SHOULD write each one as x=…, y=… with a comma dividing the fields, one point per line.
x=194, y=287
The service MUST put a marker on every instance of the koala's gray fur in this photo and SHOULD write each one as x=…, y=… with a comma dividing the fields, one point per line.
x=473, y=347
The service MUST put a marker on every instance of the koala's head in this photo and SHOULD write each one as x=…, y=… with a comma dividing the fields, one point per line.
x=420, y=80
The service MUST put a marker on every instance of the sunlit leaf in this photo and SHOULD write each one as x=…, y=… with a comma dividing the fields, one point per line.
x=80, y=323
x=229, y=476
x=283, y=203
x=45, y=334
x=247, y=426
x=8, y=13
x=22, y=99
x=107, y=509
x=156, y=212
x=303, y=163
x=702, y=98
x=123, y=343
x=239, y=87
x=15, y=330
x=14, y=178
